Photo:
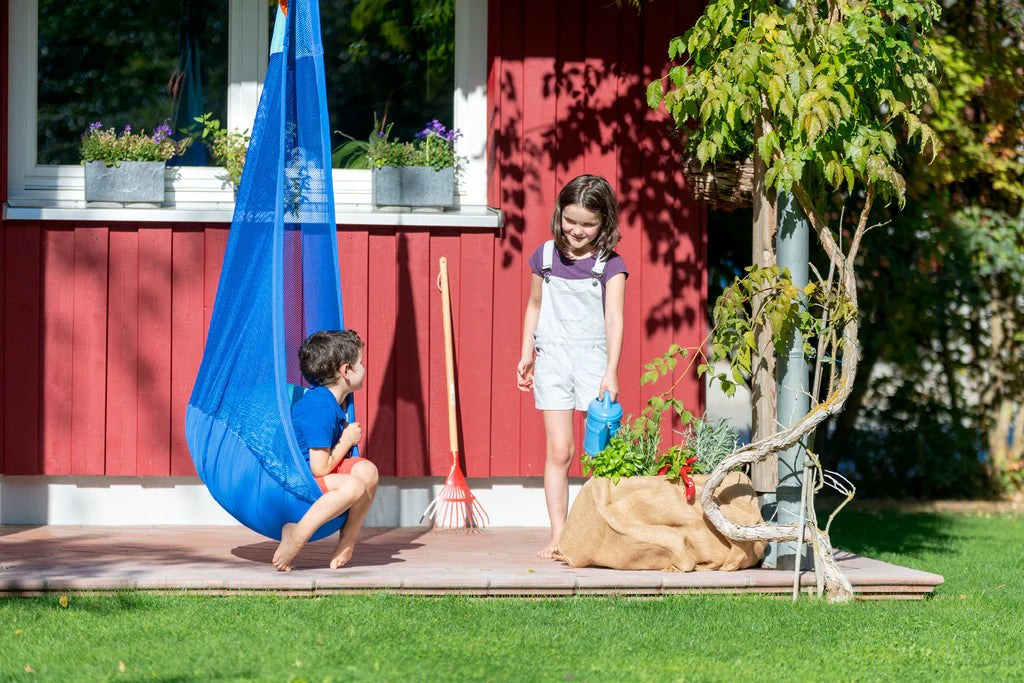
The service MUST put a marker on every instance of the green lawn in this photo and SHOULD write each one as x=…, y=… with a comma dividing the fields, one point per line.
x=972, y=628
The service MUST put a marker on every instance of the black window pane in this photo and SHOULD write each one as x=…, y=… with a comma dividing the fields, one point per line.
x=122, y=62
x=389, y=59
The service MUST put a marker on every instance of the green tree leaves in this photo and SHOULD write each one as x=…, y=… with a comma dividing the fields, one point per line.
x=836, y=81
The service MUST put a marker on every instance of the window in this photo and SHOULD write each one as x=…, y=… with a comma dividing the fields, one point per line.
x=410, y=61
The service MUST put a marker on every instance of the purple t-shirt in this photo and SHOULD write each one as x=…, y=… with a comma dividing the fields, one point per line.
x=569, y=269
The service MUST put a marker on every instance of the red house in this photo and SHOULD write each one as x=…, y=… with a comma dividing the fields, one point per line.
x=104, y=308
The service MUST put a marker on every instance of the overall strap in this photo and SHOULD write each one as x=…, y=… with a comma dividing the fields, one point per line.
x=598, y=270
x=548, y=258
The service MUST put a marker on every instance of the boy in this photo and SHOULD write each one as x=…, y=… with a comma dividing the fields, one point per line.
x=332, y=362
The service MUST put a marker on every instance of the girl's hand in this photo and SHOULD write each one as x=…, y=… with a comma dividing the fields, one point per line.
x=609, y=383
x=524, y=374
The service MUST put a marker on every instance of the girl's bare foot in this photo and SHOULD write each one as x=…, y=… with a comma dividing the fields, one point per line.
x=287, y=550
x=547, y=551
x=342, y=553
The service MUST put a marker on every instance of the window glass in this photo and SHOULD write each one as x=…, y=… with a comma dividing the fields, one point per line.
x=130, y=62
x=388, y=61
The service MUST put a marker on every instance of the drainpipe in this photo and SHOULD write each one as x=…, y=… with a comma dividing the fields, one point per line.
x=792, y=378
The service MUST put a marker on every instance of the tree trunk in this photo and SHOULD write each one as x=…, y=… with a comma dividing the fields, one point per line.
x=765, y=473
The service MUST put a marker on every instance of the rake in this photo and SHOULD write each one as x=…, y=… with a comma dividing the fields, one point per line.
x=455, y=506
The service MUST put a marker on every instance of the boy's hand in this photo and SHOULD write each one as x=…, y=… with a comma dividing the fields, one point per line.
x=524, y=374
x=353, y=434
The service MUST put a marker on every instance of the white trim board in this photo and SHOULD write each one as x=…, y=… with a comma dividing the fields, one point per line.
x=146, y=501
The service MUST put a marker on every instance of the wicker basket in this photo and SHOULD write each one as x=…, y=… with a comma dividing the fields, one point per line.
x=725, y=185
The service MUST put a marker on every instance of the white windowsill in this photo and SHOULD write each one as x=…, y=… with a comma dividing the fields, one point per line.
x=345, y=214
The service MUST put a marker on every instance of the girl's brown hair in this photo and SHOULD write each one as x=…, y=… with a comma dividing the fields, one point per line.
x=593, y=193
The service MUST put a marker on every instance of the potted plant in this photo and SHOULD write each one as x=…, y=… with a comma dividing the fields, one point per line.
x=417, y=173
x=227, y=147
x=127, y=167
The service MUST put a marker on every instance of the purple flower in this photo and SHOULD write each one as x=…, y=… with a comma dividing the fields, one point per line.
x=127, y=129
x=162, y=132
x=435, y=127
x=95, y=126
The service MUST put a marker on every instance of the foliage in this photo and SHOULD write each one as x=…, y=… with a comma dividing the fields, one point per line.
x=630, y=453
x=835, y=81
x=106, y=145
x=111, y=62
x=814, y=312
x=433, y=146
x=913, y=446
x=228, y=148
x=969, y=628
x=943, y=299
x=711, y=443
x=636, y=450
x=392, y=57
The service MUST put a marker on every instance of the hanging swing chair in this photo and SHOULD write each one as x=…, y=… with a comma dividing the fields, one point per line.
x=278, y=284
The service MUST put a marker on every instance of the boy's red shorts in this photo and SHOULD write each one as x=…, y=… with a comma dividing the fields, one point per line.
x=344, y=467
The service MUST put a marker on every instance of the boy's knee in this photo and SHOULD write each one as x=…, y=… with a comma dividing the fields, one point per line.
x=346, y=485
x=367, y=472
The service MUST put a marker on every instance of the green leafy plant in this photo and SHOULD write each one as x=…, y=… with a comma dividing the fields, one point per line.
x=632, y=452
x=433, y=146
x=227, y=147
x=106, y=145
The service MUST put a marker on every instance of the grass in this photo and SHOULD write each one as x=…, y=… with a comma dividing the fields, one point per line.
x=970, y=629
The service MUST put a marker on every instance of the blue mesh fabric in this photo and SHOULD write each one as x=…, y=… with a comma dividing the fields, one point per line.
x=278, y=284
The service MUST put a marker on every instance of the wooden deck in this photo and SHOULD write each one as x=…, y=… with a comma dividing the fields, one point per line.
x=492, y=562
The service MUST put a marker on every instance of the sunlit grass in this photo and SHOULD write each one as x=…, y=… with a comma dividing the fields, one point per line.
x=970, y=629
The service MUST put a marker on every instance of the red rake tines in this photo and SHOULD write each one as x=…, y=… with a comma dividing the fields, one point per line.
x=455, y=507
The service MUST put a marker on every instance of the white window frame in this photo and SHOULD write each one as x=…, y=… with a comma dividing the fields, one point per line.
x=56, y=191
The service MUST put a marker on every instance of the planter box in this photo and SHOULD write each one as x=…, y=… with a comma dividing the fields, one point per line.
x=131, y=182
x=413, y=186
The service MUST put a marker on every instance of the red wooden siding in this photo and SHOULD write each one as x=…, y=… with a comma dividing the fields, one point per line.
x=103, y=323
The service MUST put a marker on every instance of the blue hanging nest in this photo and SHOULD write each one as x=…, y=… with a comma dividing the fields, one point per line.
x=279, y=283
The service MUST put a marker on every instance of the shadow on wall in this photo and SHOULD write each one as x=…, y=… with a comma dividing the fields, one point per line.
x=624, y=132
x=408, y=395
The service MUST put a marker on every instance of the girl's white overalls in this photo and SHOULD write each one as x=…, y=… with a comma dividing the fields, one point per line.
x=570, y=338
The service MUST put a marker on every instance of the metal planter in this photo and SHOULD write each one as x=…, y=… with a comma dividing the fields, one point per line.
x=130, y=182
x=413, y=186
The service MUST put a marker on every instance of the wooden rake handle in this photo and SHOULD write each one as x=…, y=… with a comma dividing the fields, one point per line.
x=449, y=356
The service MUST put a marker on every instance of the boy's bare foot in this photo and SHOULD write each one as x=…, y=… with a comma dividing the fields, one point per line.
x=288, y=549
x=342, y=554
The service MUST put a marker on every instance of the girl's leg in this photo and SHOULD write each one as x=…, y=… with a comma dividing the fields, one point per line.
x=344, y=491
x=558, y=428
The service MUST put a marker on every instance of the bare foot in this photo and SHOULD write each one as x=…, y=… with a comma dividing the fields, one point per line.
x=342, y=554
x=547, y=551
x=288, y=549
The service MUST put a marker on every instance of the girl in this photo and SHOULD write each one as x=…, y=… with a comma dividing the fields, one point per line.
x=572, y=332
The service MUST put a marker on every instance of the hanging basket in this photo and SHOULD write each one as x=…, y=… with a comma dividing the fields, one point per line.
x=725, y=185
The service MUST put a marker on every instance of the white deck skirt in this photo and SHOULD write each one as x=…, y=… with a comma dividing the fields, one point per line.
x=116, y=501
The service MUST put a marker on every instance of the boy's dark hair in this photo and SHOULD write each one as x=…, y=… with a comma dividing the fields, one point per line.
x=593, y=193
x=325, y=351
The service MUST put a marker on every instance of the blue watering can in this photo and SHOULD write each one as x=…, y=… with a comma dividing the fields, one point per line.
x=604, y=417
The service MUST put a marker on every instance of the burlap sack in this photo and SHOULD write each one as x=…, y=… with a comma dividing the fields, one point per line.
x=647, y=523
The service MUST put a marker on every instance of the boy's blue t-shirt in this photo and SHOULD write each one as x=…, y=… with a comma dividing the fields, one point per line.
x=318, y=420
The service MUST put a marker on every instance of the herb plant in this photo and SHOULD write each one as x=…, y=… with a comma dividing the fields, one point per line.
x=630, y=453
x=228, y=148
x=106, y=145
